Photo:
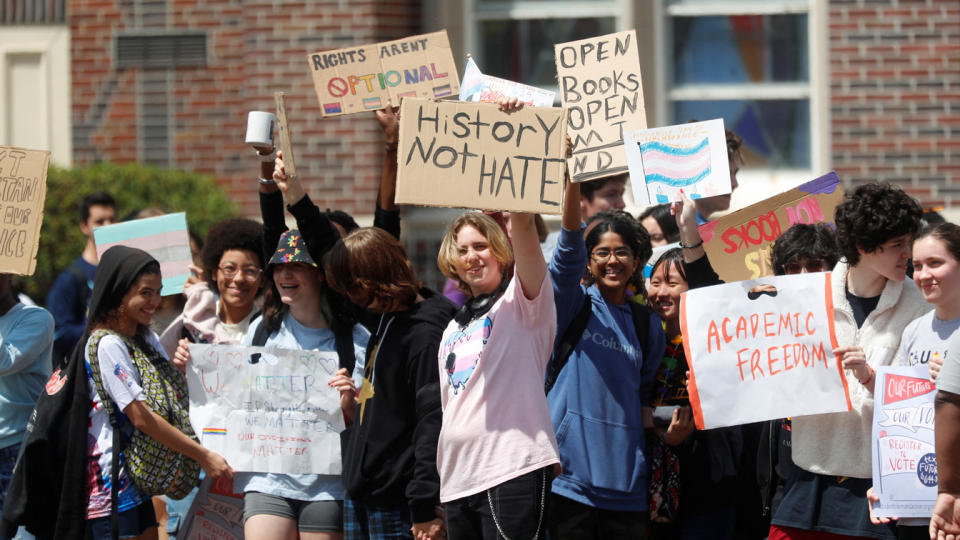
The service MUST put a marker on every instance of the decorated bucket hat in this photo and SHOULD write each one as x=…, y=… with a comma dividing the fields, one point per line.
x=291, y=249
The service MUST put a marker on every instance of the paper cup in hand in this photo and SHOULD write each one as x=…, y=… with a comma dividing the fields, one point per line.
x=260, y=129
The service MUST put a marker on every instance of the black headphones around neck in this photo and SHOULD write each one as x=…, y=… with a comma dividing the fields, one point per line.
x=475, y=307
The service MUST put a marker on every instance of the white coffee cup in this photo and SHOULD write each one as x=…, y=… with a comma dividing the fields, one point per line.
x=260, y=129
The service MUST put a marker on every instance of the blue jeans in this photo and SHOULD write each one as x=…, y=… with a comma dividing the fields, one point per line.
x=8, y=458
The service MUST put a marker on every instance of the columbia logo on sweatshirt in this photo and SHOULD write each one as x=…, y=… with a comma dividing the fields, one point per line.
x=611, y=343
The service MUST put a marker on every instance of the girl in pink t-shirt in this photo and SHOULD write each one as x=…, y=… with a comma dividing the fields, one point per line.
x=497, y=445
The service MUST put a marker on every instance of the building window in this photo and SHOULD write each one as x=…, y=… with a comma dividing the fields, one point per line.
x=514, y=39
x=162, y=50
x=750, y=63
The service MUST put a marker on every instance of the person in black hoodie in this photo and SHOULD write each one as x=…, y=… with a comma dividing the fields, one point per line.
x=390, y=448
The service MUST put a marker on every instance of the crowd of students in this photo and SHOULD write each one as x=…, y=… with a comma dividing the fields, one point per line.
x=552, y=402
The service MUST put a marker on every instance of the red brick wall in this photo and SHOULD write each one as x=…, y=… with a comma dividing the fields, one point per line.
x=895, y=95
x=253, y=50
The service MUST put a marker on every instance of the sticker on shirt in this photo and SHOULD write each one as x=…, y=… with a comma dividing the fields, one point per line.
x=463, y=349
x=121, y=373
x=922, y=357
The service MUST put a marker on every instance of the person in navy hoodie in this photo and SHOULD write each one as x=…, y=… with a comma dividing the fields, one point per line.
x=598, y=399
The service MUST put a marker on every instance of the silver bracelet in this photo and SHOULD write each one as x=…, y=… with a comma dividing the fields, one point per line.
x=268, y=157
x=267, y=182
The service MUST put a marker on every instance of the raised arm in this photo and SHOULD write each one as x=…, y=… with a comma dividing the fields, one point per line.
x=317, y=229
x=530, y=266
x=386, y=215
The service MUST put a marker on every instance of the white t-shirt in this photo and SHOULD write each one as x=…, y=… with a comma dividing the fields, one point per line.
x=496, y=424
x=121, y=381
x=926, y=338
x=949, y=378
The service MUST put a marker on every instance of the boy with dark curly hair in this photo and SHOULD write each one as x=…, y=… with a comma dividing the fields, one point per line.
x=826, y=490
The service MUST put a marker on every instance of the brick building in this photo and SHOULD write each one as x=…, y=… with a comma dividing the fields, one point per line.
x=870, y=88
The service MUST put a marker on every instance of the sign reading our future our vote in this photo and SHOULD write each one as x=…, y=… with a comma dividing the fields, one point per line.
x=762, y=349
x=23, y=190
x=266, y=409
x=600, y=85
x=473, y=155
x=370, y=77
x=904, y=461
x=664, y=160
x=739, y=244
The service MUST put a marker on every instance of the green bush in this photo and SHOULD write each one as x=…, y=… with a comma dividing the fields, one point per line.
x=134, y=187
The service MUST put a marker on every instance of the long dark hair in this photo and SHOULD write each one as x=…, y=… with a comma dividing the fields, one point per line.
x=336, y=310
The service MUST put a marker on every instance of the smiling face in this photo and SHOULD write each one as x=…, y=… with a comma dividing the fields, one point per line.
x=240, y=290
x=298, y=283
x=139, y=304
x=890, y=258
x=666, y=286
x=612, y=264
x=475, y=263
x=936, y=272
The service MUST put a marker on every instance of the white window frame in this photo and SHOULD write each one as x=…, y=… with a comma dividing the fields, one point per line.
x=476, y=12
x=764, y=182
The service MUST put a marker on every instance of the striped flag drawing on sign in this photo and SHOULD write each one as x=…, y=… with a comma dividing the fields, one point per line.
x=164, y=238
x=675, y=166
x=332, y=108
x=440, y=91
x=371, y=103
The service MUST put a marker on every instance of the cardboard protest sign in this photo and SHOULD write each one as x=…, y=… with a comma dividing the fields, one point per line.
x=23, y=190
x=759, y=354
x=600, y=85
x=489, y=89
x=216, y=513
x=904, y=461
x=740, y=243
x=472, y=155
x=373, y=76
x=691, y=157
x=266, y=409
x=165, y=238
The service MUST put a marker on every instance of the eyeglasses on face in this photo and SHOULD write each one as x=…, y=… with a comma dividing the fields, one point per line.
x=600, y=255
x=249, y=273
x=810, y=265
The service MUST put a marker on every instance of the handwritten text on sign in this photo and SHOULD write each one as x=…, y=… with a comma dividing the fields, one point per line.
x=761, y=350
x=265, y=409
x=740, y=243
x=374, y=76
x=23, y=189
x=600, y=85
x=904, y=461
x=473, y=155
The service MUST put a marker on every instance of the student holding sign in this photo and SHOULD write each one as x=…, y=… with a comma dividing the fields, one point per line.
x=602, y=375
x=826, y=490
x=299, y=312
x=496, y=446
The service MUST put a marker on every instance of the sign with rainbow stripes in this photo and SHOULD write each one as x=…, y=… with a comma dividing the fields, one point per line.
x=691, y=157
x=163, y=237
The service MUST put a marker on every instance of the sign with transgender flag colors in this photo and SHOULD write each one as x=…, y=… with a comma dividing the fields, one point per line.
x=691, y=157
x=165, y=238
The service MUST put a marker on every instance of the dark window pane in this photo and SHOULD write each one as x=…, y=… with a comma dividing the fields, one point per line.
x=776, y=133
x=522, y=49
x=740, y=48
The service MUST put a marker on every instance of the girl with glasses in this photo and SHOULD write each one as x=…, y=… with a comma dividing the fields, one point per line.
x=601, y=391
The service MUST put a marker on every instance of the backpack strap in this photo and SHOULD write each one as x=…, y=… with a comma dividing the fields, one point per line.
x=261, y=334
x=571, y=336
x=641, y=322
x=93, y=348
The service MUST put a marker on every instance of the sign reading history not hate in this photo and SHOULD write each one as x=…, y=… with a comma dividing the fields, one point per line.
x=600, y=85
x=473, y=155
x=23, y=190
x=377, y=75
x=761, y=350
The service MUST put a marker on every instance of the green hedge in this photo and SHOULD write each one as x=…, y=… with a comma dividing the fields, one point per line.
x=134, y=187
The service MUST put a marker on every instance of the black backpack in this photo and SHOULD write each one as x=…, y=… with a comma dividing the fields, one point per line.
x=574, y=333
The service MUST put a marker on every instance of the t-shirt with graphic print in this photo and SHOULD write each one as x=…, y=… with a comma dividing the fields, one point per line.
x=496, y=424
x=121, y=381
x=926, y=338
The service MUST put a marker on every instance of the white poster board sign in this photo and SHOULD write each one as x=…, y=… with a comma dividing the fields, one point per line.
x=904, y=461
x=759, y=355
x=664, y=160
x=216, y=513
x=266, y=409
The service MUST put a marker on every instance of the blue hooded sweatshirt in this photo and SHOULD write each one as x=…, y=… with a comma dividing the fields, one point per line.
x=597, y=401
